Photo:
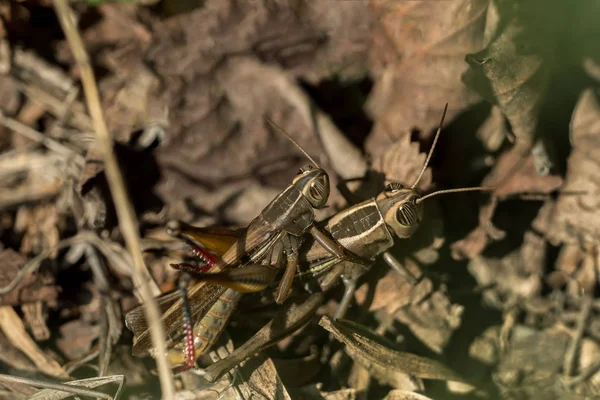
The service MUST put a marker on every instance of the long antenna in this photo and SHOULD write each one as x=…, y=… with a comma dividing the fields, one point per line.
x=280, y=129
x=458, y=190
x=437, y=135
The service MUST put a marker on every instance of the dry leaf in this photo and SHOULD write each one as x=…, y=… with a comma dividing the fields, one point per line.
x=402, y=162
x=511, y=175
x=262, y=379
x=35, y=318
x=218, y=95
x=391, y=292
x=13, y=328
x=514, y=174
x=384, y=362
x=531, y=366
x=41, y=230
x=242, y=148
x=517, y=274
x=91, y=383
x=418, y=58
x=33, y=288
x=76, y=338
x=14, y=357
x=576, y=214
x=589, y=353
x=504, y=75
x=493, y=131
x=431, y=316
x=485, y=348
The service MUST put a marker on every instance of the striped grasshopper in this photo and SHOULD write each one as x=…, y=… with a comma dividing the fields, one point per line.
x=366, y=229
x=275, y=234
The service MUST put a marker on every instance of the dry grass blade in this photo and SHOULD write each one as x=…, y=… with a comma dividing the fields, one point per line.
x=57, y=391
x=13, y=328
x=28, y=194
x=366, y=348
x=263, y=380
x=36, y=136
x=127, y=219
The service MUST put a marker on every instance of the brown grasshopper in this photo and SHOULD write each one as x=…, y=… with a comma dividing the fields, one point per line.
x=276, y=233
x=366, y=229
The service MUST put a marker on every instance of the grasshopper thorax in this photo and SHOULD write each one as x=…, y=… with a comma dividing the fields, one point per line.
x=401, y=209
x=314, y=185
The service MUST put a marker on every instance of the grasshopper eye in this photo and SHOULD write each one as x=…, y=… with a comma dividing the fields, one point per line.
x=407, y=214
x=318, y=189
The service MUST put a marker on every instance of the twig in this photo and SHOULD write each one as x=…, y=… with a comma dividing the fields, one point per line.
x=573, y=348
x=585, y=374
x=28, y=194
x=14, y=329
x=56, y=386
x=36, y=136
x=110, y=328
x=127, y=219
x=33, y=264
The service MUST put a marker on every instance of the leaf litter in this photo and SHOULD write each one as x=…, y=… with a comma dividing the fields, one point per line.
x=507, y=280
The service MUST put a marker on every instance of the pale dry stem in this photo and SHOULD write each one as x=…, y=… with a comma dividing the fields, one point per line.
x=127, y=219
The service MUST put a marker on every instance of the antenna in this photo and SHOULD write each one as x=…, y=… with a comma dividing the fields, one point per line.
x=280, y=129
x=458, y=190
x=437, y=135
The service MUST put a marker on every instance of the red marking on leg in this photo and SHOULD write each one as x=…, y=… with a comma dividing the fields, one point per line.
x=205, y=256
x=190, y=350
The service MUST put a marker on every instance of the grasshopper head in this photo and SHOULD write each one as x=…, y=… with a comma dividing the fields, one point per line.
x=314, y=185
x=400, y=209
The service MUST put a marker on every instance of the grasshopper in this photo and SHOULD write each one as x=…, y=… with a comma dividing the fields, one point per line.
x=366, y=229
x=276, y=233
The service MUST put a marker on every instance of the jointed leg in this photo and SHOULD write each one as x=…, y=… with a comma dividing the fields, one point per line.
x=335, y=248
x=350, y=288
x=290, y=317
x=399, y=268
x=285, y=285
x=190, y=350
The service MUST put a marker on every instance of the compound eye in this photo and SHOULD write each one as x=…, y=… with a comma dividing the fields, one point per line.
x=407, y=214
x=394, y=187
x=317, y=189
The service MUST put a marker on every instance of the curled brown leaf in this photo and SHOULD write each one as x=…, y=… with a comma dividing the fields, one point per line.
x=418, y=58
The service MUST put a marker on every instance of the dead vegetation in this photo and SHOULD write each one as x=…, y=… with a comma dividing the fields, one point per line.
x=505, y=305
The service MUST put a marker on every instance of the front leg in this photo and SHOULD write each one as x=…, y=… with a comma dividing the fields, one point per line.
x=335, y=248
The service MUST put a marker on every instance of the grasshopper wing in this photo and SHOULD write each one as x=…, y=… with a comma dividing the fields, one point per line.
x=201, y=298
x=135, y=319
